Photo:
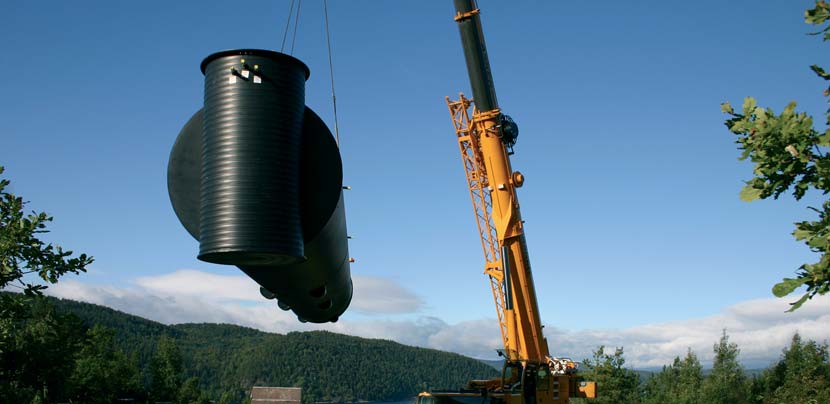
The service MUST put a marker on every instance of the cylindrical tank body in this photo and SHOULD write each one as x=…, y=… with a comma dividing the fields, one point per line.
x=253, y=117
x=319, y=289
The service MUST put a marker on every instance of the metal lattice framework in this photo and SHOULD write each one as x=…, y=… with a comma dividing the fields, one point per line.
x=477, y=182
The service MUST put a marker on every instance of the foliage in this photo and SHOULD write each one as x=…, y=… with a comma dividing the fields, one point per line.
x=203, y=362
x=37, y=345
x=23, y=253
x=789, y=155
x=190, y=393
x=727, y=382
x=103, y=373
x=678, y=383
x=166, y=370
x=52, y=359
x=615, y=384
x=228, y=359
x=226, y=397
x=46, y=356
x=33, y=339
x=39, y=354
x=802, y=375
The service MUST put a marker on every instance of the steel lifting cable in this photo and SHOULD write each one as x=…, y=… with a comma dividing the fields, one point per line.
x=287, y=24
x=331, y=73
x=328, y=47
x=296, y=24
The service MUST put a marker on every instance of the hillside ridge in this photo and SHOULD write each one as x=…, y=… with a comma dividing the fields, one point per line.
x=328, y=366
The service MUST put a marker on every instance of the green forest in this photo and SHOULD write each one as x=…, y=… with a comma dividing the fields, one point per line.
x=800, y=376
x=67, y=351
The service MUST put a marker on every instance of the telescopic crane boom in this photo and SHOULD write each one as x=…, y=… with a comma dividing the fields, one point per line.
x=492, y=133
x=486, y=137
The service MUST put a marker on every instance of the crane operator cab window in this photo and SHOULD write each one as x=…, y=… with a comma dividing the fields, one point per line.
x=512, y=376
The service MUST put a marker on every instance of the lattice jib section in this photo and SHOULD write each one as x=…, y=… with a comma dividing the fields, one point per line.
x=476, y=176
x=482, y=203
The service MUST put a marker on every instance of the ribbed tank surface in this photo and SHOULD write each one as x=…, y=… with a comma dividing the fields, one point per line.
x=253, y=116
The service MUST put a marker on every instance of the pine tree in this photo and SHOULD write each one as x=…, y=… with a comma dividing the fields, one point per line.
x=190, y=393
x=615, y=384
x=678, y=383
x=166, y=370
x=40, y=354
x=727, y=384
x=802, y=375
x=102, y=373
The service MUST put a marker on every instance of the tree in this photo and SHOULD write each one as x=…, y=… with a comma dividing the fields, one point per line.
x=678, y=383
x=802, y=375
x=789, y=154
x=190, y=393
x=37, y=345
x=39, y=355
x=615, y=384
x=102, y=373
x=727, y=384
x=22, y=253
x=226, y=397
x=166, y=370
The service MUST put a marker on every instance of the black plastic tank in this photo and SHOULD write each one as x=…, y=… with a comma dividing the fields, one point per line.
x=253, y=117
x=318, y=289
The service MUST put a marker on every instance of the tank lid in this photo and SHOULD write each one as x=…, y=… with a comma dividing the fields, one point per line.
x=255, y=52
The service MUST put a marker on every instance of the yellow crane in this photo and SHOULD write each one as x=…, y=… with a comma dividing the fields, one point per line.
x=486, y=137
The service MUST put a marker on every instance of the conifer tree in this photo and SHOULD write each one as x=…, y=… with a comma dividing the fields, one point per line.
x=802, y=375
x=615, y=384
x=166, y=370
x=727, y=384
x=678, y=383
x=103, y=374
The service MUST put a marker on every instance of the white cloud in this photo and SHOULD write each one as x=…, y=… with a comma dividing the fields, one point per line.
x=177, y=308
x=761, y=328
x=381, y=295
x=372, y=295
x=193, y=283
x=476, y=338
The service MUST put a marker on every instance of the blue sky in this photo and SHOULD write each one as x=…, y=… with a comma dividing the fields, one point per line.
x=631, y=198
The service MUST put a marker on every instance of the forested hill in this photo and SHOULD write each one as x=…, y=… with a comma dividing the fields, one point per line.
x=329, y=367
